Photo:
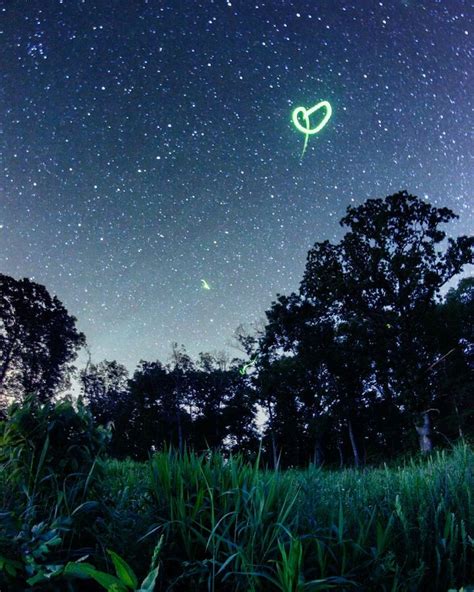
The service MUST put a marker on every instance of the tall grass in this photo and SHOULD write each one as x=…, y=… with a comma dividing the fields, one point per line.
x=230, y=525
x=225, y=519
x=406, y=528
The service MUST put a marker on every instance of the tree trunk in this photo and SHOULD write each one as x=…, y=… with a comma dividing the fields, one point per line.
x=274, y=448
x=5, y=365
x=355, y=450
x=180, y=432
x=458, y=415
x=318, y=455
x=341, y=456
x=424, y=434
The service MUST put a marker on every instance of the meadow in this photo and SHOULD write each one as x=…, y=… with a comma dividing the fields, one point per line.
x=71, y=519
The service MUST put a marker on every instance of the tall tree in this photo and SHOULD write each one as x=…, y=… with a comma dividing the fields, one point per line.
x=322, y=368
x=392, y=267
x=180, y=371
x=361, y=327
x=38, y=340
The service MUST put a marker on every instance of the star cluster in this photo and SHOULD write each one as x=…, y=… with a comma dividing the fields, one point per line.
x=146, y=145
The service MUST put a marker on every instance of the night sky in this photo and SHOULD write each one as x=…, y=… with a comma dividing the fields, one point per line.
x=146, y=145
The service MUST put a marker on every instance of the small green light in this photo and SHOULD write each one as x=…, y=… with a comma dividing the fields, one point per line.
x=243, y=370
x=205, y=285
x=305, y=114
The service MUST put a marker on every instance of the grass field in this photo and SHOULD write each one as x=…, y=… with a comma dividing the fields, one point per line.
x=217, y=524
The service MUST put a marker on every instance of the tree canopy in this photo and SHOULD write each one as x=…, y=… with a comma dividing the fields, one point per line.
x=38, y=340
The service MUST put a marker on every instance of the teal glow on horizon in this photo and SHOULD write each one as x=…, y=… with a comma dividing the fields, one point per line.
x=305, y=114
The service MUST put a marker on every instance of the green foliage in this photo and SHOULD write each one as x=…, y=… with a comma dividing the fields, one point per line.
x=125, y=578
x=397, y=525
x=50, y=441
x=228, y=525
x=220, y=518
x=48, y=459
x=224, y=523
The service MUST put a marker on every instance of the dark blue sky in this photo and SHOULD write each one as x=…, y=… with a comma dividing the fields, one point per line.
x=148, y=145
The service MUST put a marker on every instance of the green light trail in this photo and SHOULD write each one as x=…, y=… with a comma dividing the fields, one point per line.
x=243, y=370
x=205, y=285
x=305, y=114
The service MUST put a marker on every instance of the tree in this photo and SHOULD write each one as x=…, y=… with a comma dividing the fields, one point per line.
x=152, y=415
x=238, y=417
x=223, y=406
x=322, y=369
x=38, y=340
x=180, y=371
x=199, y=405
x=361, y=328
x=104, y=387
x=391, y=270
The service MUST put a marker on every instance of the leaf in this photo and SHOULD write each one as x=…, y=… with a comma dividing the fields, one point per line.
x=10, y=565
x=123, y=570
x=39, y=577
x=86, y=507
x=11, y=569
x=148, y=584
x=86, y=570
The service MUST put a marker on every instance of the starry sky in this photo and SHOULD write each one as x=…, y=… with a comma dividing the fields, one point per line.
x=147, y=145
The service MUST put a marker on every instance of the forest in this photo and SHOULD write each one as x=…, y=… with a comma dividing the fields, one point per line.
x=333, y=452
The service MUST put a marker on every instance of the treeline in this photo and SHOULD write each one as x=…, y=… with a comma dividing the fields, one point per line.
x=198, y=405
x=365, y=362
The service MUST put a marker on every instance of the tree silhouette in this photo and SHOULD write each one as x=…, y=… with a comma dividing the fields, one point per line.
x=38, y=340
x=224, y=406
x=360, y=332
x=342, y=371
x=104, y=387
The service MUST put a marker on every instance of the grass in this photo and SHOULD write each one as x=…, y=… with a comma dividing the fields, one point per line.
x=225, y=524
x=229, y=525
x=412, y=526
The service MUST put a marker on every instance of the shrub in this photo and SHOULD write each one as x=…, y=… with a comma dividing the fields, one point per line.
x=48, y=458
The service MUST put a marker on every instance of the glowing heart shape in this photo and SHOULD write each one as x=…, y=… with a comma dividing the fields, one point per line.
x=305, y=114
